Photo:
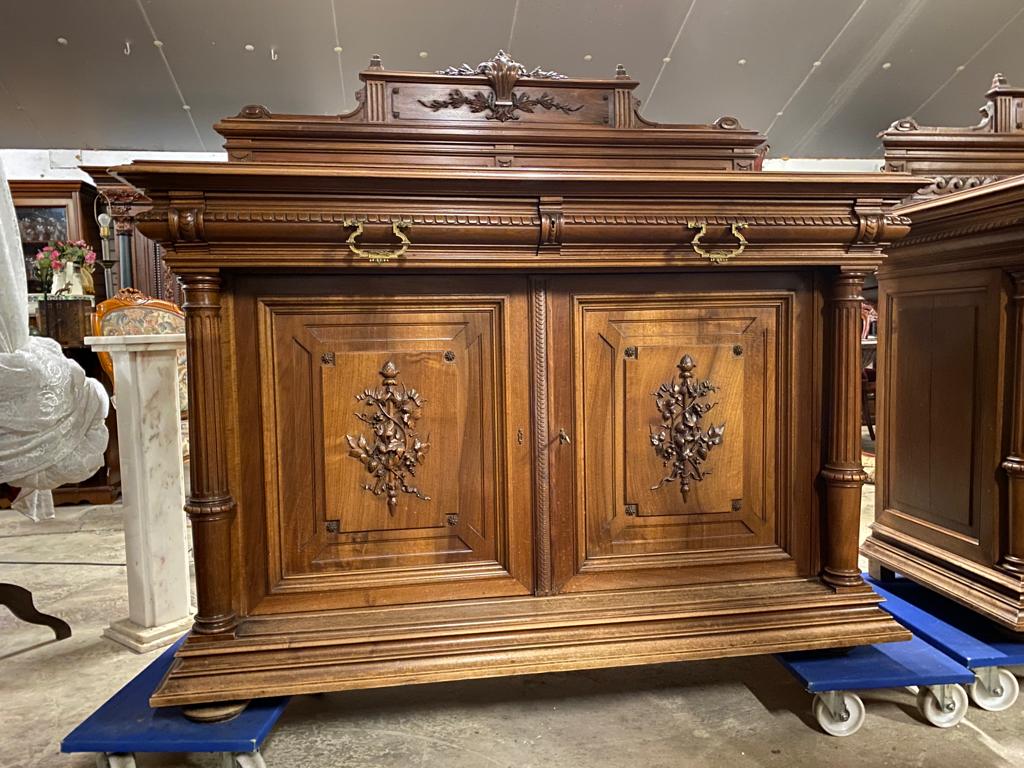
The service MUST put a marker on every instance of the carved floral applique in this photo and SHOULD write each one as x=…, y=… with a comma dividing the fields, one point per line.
x=394, y=451
x=680, y=442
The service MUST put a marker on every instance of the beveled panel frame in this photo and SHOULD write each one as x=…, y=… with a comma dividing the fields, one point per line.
x=778, y=538
x=274, y=580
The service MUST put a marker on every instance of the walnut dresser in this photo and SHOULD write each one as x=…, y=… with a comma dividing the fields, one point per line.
x=950, y=500
x=492, y=376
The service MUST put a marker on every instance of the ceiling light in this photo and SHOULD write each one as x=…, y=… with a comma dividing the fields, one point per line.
x=186, y=107
x=887, y=65
x=423, y=54
x=158, y=43
x=666, y=60
x=338, y=49
x=961, y=68
x=778, y=114
x=249, y=47
x=588, y=57
x=742, y=62
x=62, y=41
x=817, y=64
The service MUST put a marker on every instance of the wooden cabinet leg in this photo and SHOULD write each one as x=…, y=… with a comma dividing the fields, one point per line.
x=843, y=473
x=1013, y=550
x=210, y=507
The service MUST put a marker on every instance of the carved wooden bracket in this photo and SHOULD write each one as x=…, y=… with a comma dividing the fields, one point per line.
x=551, y=221
x=185, y=218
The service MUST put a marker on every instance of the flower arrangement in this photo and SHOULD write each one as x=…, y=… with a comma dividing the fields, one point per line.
x=55, y=258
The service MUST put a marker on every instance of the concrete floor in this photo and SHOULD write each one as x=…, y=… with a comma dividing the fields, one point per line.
x=735, y=712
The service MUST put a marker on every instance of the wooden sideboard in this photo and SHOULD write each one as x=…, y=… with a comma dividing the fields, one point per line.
x=950, y=496
x=492, y=376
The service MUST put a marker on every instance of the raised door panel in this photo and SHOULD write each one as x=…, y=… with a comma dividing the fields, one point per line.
x=687, y=411
x=394, y=460
x=941, y=407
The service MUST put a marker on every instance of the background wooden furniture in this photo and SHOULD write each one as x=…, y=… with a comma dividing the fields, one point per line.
x=951, y=453
x=962, y=158
x=950, y=403
x=149, y=272
x=63, y=210
x=424, y=342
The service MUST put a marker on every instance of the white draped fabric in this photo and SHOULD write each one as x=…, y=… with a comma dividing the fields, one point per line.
x=52, y=428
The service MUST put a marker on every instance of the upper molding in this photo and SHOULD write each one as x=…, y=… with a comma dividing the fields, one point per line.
x=498, y=113
x=957, y=158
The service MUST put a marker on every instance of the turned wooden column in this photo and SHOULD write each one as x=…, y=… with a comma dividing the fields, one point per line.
x=209, y=506
x=1013, y=464
x=843, y=472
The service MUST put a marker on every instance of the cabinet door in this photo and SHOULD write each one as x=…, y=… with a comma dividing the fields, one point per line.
x=941, y=410
x=690, y=454
x=395, y=467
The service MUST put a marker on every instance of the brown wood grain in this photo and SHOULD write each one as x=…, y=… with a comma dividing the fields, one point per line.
x=549, y=289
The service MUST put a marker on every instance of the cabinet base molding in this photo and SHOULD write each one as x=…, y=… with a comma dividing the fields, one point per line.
x=988, y=590
x=379, y=647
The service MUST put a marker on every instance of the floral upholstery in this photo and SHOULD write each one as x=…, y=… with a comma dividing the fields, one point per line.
x=143, y=320
x=132, y=313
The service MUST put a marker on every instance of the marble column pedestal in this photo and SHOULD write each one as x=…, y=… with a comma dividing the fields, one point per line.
x=152, y=488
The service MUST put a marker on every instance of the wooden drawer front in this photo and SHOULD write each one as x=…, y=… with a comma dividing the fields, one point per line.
x=708, y=375
x=941, y=409
x=391, y=435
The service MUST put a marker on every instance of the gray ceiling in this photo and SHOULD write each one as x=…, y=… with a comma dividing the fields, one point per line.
x=89, y=94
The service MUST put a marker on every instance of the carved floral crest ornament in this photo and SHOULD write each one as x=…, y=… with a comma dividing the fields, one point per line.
x=680, y=442
x=502, y=102
x=393, y=453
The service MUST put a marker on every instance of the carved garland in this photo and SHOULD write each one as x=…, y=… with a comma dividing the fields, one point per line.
x=499, y=110
x=680, y=442
x=392, y=455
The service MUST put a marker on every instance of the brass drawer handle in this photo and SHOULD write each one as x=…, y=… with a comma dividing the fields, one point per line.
x=717, y=256
x=563, y=437
x=379, y=255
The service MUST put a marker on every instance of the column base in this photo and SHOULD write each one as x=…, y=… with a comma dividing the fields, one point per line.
x=144, y=639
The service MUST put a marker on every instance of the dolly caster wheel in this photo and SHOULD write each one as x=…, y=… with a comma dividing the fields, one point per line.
x=839, y=713
x=994, y=688
x=248, y=760
x=117, y=760
x=943, y=705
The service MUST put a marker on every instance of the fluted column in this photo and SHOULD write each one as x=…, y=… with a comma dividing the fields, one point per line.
x=210, y=506
x=843, y=473
x=1013, y=549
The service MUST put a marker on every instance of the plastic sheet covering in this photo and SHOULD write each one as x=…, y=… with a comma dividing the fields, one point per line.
x=52, y=429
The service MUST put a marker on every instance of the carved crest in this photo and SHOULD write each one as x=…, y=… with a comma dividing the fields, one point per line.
x=394, y=451
x=500, y=69
x=680, y=442
x=502, y=103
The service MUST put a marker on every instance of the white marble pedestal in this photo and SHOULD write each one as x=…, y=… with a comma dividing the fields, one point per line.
x=152, y=488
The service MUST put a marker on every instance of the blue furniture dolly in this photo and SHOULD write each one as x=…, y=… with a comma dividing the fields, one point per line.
x=981, y=645
x=126, y=724
x=832, y=676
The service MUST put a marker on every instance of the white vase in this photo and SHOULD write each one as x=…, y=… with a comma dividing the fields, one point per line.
x=69, y=277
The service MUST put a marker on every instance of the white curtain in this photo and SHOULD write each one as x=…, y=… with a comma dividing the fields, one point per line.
x=52, y=428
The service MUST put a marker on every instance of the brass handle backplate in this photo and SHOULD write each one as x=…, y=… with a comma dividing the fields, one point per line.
x=379, y=255
x=717, y=257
